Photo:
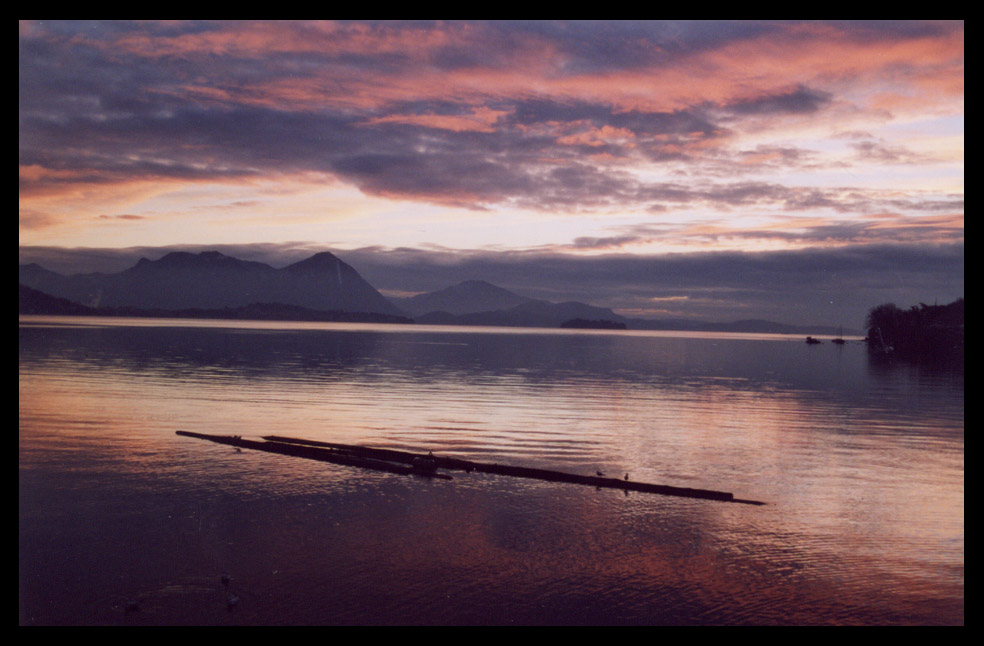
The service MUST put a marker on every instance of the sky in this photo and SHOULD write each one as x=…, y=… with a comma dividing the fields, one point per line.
x=802, y=172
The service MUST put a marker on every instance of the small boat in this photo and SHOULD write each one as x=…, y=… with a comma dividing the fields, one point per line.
x=812, y=341
x=840, y=337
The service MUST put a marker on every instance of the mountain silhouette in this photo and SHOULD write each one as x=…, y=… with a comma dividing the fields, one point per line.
x=212, y=280
x=477, y=302
x=32, y=301
x=322, y=287
x=467, y=297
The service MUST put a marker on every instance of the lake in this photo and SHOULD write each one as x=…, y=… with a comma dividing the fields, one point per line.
x=122, y=522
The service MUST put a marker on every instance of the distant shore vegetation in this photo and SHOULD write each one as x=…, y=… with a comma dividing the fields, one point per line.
x=584, y=324
x=925, y=332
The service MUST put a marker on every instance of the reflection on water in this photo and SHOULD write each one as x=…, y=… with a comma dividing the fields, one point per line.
x=861, y=464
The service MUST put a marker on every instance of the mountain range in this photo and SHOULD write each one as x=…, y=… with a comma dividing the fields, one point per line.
x=322, y=287
x=211, y=280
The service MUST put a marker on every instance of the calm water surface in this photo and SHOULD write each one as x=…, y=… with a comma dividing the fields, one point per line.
x=861, y=464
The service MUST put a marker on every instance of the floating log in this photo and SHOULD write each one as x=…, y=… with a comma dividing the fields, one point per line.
x=406, y=463
x=315, y=453
x=518, y=472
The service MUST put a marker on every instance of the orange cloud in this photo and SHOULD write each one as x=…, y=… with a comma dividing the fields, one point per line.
x=36, y=173
x=599, y=137
x=480, y=119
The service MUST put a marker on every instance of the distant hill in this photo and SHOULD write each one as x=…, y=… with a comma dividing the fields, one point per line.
x=31, y=301
x=211, y=281
x=476, y=302
x=532, y=313
x=467, y=297
x=34, y=302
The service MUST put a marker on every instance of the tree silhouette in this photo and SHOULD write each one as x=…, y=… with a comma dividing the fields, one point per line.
x=924, y=331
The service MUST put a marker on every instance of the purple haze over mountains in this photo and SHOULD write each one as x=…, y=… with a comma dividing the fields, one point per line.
x=211, y=280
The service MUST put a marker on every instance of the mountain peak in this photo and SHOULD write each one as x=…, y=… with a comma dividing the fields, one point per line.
x=319, y=261
x=464, y=298
x=208, y=261
x=187, y=259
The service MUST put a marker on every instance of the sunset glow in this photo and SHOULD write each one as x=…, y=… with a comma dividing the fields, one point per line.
x=491, y=141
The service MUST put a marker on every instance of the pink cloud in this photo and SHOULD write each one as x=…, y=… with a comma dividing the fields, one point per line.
x=480, y=119
x=123, y=216
x=533, y=66
x=599, y=137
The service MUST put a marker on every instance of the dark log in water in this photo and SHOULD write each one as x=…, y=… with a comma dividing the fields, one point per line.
x=517, y=472
x=406, y=463
x=298, y=450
